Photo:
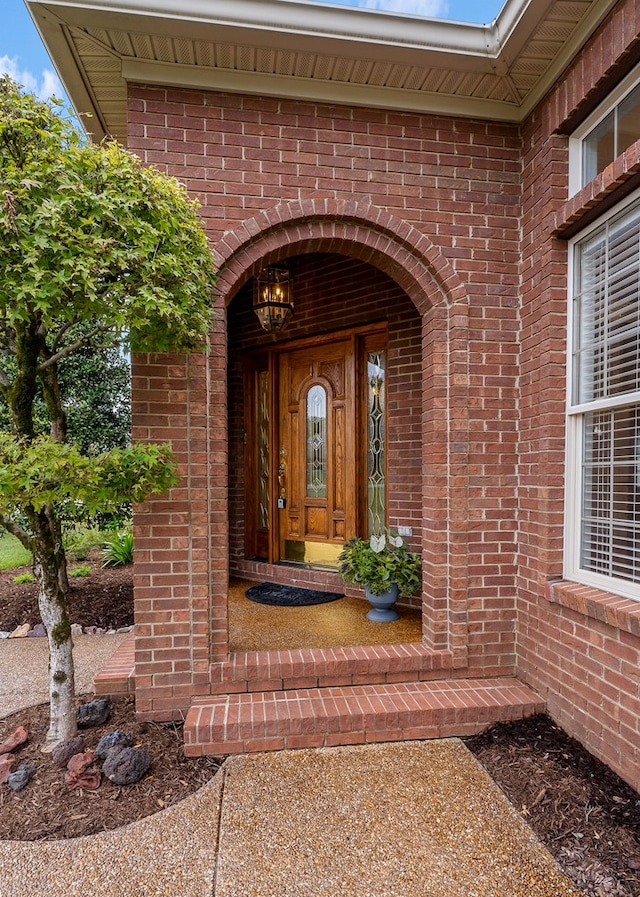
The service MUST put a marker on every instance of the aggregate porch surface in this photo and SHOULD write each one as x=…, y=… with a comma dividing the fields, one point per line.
x=262, y=627
x=418, y=819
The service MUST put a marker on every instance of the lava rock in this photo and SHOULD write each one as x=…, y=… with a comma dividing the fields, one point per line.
x=127, y=765
x=7, y=762
x=21, y=777
x=38, y=631
x=18, y=737
x=94, y=713
x=82, y=772
x=116, y=739
x=63, y=752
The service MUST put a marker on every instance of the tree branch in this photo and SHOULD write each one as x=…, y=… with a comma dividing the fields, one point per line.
x=73, y=347
x=16, y=530
x=61, y=333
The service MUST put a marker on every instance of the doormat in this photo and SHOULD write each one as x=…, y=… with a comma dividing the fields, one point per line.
x=288, y=596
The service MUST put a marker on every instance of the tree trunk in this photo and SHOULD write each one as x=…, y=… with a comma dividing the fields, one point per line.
x=53, y=610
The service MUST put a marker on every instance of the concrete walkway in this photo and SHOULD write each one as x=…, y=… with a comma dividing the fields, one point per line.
x=381, y=820
x=24, y=664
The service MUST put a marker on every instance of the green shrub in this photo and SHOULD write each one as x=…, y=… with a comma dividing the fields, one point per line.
x=24, y=577
x=79, y=541
x=82, y=570
x=118, y=550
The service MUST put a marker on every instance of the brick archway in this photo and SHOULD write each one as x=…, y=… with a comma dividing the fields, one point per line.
x=370, y=234
x=359, y=230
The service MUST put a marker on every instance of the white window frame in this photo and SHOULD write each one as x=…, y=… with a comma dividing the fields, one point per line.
x=592, y=121
x=574, y=435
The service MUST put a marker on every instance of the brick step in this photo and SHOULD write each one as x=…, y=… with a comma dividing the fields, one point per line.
x=262, y=671
x=323, y=717
x=117, y=676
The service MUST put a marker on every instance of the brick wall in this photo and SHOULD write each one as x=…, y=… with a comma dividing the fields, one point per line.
x=578, y=647
x=433, y=203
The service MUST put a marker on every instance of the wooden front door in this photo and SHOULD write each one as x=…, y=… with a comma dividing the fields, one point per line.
x=315, y=436
x=317, y=469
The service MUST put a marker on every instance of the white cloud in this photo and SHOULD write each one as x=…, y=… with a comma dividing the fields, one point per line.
x=44, y=86
x=427, y=8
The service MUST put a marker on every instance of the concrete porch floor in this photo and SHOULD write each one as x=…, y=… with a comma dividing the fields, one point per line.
x=343, y=623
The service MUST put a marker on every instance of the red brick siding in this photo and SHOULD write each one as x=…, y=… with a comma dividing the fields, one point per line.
x=452, y=184
x=585, y=666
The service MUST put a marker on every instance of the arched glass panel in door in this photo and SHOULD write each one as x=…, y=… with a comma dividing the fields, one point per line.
x=317, y=442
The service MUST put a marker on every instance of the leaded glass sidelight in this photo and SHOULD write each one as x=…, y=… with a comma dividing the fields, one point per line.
x=317, y=442
x=376, y=480
x=263, y=450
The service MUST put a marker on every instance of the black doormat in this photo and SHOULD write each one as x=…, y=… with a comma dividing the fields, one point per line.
x=288, y=596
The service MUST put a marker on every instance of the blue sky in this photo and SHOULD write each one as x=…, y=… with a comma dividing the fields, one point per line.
x=23, y=56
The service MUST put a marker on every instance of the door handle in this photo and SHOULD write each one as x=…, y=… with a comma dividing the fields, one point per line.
x=282, y=484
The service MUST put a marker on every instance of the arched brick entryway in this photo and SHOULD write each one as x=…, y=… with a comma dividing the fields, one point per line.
x=405, y=254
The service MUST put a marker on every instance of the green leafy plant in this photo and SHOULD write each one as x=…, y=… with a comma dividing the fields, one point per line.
x=24, y=577
x=380, y=561
x=98, y=254
x=80, y=541
x=118, y=550
x=80, y=571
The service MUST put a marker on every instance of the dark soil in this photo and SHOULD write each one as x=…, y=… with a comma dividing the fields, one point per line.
x=588, y=818
x=103, y=599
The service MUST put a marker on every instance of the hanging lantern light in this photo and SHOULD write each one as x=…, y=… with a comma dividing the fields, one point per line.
x=273, y=297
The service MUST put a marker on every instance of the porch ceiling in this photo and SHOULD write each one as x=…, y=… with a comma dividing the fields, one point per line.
x=312, y=51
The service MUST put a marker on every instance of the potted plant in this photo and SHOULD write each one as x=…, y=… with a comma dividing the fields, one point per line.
x=385, y=567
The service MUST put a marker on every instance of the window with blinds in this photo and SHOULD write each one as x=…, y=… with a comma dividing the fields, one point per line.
x=604, y=412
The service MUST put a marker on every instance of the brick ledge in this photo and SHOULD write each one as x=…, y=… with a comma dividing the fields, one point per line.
x=621, y=613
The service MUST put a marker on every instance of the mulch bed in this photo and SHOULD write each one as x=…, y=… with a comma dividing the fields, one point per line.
x=588, y=818
x=103, y=599
x=47, y=810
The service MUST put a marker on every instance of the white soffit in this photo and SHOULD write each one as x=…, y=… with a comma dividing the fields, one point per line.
x=312, y=51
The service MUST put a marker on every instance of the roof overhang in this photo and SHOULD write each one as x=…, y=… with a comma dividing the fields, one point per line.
x=312, y=51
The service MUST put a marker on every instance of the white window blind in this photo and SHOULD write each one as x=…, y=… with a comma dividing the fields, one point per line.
x=605, y=400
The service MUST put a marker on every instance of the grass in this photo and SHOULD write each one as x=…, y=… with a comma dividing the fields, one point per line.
x=12, y=553
x=78, y=542
x=24, y=577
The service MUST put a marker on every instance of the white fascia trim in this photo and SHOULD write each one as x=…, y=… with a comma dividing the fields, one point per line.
x=334, y=92
x=317, y=20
